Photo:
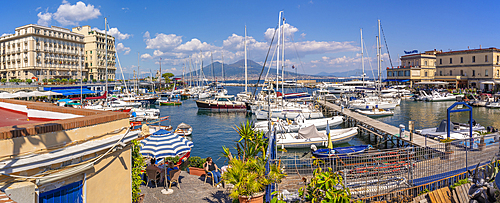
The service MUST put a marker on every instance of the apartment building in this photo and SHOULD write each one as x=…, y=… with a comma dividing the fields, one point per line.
x=414, y=68
x=477, y=68
x=39, y=52
x=95, y=51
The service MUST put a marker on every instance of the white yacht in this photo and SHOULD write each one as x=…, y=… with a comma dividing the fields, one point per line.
x=300, y=122
x=311, y=136
x=353, y=85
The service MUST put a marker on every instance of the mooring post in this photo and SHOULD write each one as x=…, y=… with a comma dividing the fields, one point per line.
x=410, y=129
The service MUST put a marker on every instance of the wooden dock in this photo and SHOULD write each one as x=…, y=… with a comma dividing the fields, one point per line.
x=378, y=128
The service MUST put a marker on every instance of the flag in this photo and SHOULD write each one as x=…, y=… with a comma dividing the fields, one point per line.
x=330, y=145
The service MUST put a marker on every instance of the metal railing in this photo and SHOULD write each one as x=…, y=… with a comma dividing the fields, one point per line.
x=378, y=172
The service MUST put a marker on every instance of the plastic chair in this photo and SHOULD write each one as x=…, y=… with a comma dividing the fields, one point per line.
x=174, y=177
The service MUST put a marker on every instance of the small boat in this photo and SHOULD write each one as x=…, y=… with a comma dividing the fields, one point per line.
x=221, y=103
x=340, y=151
x=168, y=103
x=300, y=122
x=376, y=112
x=493, y=105
x=458, y=130
x=183, y=129
x=311, y=136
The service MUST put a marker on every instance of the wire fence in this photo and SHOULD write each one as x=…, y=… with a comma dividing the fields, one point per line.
x=377, y=172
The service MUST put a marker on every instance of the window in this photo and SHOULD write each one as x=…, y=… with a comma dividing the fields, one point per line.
x=425, y=62
x=90, y=64
x=462, y=72
x=425, y=73
x=440, y=61
x=90, y=52
x=473, y=59
x=486, y=58
x=498, y=59
x=461, y=59
x=451, y=73
x=498, y=73
x=451, y=61
x=486, y=73
x=473, y=72
x=440, y=73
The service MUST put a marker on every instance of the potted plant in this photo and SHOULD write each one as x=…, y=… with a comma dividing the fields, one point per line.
x=195, y=166
x=247, y=170
x=481, y=144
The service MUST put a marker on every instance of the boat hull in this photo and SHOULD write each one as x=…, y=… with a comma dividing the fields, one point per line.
x=306, y=143
x=170, y=103
x=202, y=105
x=340, y=152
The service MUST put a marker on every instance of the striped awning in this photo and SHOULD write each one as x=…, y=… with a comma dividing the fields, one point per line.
x=164, y=143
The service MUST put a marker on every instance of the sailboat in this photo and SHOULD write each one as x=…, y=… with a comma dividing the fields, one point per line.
x=243, y=96
x=374, y=106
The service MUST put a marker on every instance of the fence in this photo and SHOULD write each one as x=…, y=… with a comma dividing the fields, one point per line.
x=379, y=172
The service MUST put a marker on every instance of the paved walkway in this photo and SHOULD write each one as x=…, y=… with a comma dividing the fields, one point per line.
x=193, y=189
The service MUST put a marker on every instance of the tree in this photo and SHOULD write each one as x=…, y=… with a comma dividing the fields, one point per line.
x=167, y=77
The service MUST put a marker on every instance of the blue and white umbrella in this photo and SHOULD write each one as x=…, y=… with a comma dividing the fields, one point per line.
x=164, y=143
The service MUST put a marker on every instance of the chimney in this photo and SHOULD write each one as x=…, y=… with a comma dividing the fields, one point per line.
x=479, y=46
x=468, y=47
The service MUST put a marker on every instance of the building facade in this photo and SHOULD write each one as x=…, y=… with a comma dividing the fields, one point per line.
x=475, y=68
x=39, y=52
x=414, y=68
x=95, y=51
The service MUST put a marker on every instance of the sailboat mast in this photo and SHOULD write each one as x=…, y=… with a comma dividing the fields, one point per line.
x=137, y=76
x=212, y=65
x=106, y=56
x=379, y=58
x=278, y=51
x=223, y=76
x=362, y=59
x=283, y=57
x=246, y=73
x=160, y=74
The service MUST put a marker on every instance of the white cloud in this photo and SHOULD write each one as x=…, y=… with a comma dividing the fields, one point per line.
x=115, y=33
x=163, y=41
x=146, y=56
x=146, y=35
x=68, y=14
x=44, y=18
x=288, y=29
x=38, y=8
x=4, y=34
x=122, y=48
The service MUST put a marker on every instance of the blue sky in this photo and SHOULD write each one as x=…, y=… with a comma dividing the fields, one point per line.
x=324, y=35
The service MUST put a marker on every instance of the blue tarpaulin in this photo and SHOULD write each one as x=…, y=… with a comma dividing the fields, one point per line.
x=75, y=91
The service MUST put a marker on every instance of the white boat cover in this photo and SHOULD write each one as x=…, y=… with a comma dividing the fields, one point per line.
x=183, y=126
x=310, y=132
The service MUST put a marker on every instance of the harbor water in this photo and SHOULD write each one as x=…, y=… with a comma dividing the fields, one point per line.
x=211, y=131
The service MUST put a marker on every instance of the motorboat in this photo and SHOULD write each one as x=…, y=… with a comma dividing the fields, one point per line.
x=150, y=99
x=184, y=130
x=288, y=113
x=437, y=97
x=120, y=103
x=350, y=86
x=147, y=114
x=340, y=152
x=221, y=103
x=458, y=130
x=493, y=105
x=375, y=112
x=324, y=95
x=373, y=102
x=300, y=122
x=311, y=136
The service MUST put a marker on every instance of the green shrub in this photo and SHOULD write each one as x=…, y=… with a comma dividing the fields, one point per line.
x=196, y=161
x=460, y=182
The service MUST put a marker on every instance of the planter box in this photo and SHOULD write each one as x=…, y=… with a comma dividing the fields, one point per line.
x=196, y=171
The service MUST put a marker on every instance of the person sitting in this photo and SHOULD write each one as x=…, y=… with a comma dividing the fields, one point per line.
x=211, y=167
x=158, y=169
x=171, y=167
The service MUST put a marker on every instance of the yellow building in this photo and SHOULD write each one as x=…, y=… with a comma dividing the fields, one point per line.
x=476, y=68
x=95, y=50
x=414, y=68
x=50, y=153
x=39, y=52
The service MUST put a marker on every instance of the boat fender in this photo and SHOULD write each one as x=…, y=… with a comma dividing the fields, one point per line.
x=316, y=107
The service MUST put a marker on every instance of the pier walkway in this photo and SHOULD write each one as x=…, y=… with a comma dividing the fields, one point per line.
x=379, y=128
